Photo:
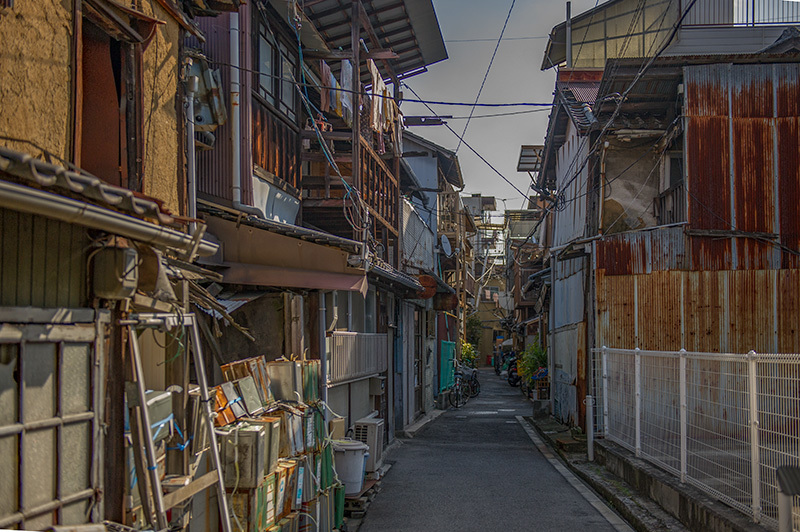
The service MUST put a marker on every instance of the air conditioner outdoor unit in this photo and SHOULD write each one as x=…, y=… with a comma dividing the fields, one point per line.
x=370, y=431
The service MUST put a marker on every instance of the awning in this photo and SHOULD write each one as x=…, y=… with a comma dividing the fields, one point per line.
x=255, y=275
x=257, y=257
x=533, y=277
x=395, y=279
x=441, y=286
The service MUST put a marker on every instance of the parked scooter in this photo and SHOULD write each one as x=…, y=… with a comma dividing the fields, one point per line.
x=513, y=377
x=509, y=359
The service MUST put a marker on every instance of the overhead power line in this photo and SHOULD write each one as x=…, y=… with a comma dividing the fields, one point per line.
x=473, y=150
x=411, y=100
x=493, y=40
x=486, y=75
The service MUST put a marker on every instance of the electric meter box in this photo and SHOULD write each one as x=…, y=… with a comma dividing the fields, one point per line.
x=115, y=273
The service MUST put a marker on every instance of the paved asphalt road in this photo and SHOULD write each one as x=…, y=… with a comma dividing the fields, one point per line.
x=475, y=468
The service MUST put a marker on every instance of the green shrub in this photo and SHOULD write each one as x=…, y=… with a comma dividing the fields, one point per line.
x=532, y=358
x=469, y=355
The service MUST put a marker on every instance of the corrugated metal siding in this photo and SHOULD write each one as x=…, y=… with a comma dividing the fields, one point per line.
x=749, y=113
x=659, y=311
x=643, y=252
x=42, y=262
x=703, y=303
x=418, y=239
x=214, y=166
x=752, y=303
x=707, y=162
x=568, y=293
x=570, y=223
x=565, y=346
x=712, y=311
x=788, y=288
x=787, y=125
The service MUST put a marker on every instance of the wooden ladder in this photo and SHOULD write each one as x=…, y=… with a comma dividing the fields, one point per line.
x=142, y=434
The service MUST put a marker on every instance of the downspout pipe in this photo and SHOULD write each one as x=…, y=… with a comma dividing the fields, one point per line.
x=323, y=353
x=236, y=133
x=192, y=84
x=569, y=34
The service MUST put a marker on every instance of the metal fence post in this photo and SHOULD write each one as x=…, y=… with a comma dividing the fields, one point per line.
x=683, y=402
x=590, y=428
x=755, y=461
x=638, y=409
x=605, y=391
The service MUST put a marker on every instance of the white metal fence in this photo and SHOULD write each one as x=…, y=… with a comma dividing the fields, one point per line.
x=722, y=422
x=356, y=355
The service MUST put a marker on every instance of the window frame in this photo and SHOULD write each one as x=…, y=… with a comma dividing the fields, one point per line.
x=282, y=49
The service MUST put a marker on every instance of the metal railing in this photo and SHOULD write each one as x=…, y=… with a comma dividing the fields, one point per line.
x=740, y=12
x=356, y=355
x=722, y=422
x=670, y=206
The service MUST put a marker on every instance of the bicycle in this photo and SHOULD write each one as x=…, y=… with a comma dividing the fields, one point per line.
x=460, y=391
x=470, y=375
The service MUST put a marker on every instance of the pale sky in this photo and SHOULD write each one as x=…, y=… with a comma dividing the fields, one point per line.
x=515, y=77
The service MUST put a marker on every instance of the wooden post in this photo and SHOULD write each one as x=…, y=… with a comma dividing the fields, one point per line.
x=355, y=32
x=114, y=470
x=177, y=373
x=77, y=80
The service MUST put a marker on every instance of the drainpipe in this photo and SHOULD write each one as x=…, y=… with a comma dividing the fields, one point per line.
x=192, y=84
x=602, y=187
x=236, y=132
x=323, y=354
x=25, y=199
x=569, y=34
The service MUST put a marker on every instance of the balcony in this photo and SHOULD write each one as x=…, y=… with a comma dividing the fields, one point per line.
x=326, y=197
x=354, y=356
x=669, y=207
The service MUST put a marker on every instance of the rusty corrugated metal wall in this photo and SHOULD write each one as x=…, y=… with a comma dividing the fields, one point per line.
x=721, y=311
x=687, y=287
x=742, y=162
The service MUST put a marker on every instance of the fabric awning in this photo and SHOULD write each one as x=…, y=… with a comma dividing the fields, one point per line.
x=257, y=257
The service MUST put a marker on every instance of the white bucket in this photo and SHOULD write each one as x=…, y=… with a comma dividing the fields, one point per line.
x=349, y=456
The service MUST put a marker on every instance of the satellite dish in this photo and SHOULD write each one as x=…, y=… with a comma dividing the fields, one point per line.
x=446, y=248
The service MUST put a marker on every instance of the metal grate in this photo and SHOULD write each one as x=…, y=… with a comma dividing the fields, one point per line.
x=50, y=436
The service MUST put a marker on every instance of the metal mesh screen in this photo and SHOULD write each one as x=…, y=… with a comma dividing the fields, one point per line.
x=722, y=422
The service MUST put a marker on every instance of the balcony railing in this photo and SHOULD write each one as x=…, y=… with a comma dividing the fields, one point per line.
x=740, y=12
x=378, y=185
x=354, y=356
x=670, y=206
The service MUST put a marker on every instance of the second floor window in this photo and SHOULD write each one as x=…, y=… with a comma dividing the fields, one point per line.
x=276, y=64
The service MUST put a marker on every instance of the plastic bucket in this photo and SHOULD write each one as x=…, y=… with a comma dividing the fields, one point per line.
x=349, y=456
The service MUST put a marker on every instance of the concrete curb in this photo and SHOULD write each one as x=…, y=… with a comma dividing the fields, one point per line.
x=641, y=513
x=693, y=507
x=649, y=498
x=414, y=428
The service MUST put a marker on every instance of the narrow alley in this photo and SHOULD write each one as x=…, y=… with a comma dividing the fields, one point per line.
x=476, y=468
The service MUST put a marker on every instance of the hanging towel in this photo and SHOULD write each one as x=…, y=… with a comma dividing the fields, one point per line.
x=378, y=89
x=347, y=96
x=324, y=91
